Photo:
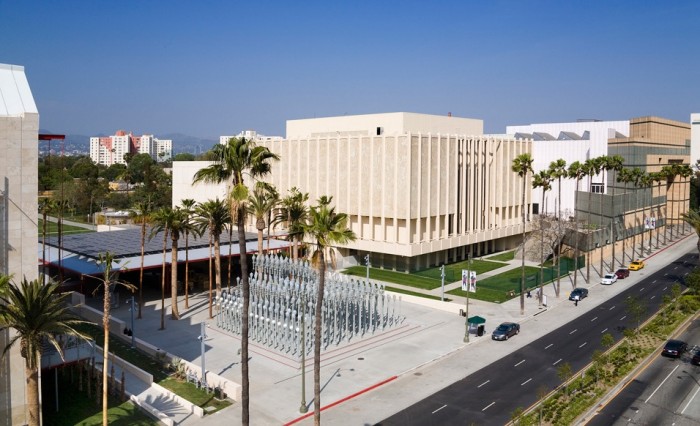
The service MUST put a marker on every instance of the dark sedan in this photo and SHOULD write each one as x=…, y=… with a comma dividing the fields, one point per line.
x=622, y=273
x=505, y=331
x=578, y=294
x=695, y=360
x=674, y=348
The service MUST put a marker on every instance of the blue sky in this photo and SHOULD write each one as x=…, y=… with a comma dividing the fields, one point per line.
x=209, y=68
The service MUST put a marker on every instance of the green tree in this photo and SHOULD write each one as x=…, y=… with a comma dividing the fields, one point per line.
x=591, y=168
x=142, y=212
x=543, y=179
x=522, y=165
x=38, y=314
x=615, y=165
x=564, y=372
x=557, y=169
x=636, y=309
x=576, y=172
x=84, y=168
x=294, y=213
x=213, y=215
x=172, y=221
x=47, y=206
x=189, y=227
x=260, y=204
x=692, y=218
x=161, y=218
x=112, y=172
x=184, y=156
x=607, y=341
x=327, y=228
x=625, y=176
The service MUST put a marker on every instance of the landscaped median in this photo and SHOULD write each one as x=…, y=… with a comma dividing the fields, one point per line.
x=580, y=391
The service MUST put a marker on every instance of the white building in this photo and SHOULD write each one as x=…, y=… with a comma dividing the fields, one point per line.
x=576, y=141
x=252, y=135
x=694, y=138
x=111, y=149
x=19, y=134
x=419, y=190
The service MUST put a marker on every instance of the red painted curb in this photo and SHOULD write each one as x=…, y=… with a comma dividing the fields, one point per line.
x=340, y=401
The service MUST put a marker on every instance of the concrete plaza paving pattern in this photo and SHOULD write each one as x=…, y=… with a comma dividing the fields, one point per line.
x=372, y=378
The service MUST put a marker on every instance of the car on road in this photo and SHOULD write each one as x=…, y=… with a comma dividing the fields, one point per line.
x=695, y=360
x=674, y=348
x=505, y=331
x=609, y=279
x=622, y=273
x=578, y=294
x=636, y=265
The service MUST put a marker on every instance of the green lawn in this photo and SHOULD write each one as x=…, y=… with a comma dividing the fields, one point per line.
x=52, y=229
x=503, y=257
x=453, y=272
x=496, y=288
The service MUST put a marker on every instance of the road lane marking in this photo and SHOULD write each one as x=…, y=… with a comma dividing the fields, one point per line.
x=439, y=409
x=557, y=361
x=613, y=307
x=623, y=318
x=604, y=331
x=525, y=382
x=675, y=268
x=652, y=297
x=484, y=409
x=549, y=346
x=661, y=384
x=641, y=289
x=483, y=384
x=653, y=282
x=664, y=289
x=584, y=344
x=575, y=330
x=594, y=319
x=691, y=400
x=519, y=363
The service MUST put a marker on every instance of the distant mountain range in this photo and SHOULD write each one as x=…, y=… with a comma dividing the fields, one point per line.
x=80, y=144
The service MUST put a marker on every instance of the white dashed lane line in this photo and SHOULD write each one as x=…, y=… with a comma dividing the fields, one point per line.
x=557, y=361
x=485, y=408
x=575, y=330
x=439, y=409
x=604, y=330
x=584, y=344
x=519, y=363
x=549, y=346
x=594, y=319
x=483, y=384
x=623, y=318
x=525, y=382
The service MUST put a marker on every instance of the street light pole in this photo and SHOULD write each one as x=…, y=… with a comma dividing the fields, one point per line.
x=132, y=309
x=303, y=408
x=202, y=336
x=368, y=265
x=442, y=276
x=466, y=305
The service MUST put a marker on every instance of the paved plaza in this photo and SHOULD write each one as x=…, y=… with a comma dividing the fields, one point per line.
x=370, y=378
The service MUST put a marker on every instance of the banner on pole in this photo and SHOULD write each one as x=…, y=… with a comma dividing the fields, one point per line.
x=469, y=280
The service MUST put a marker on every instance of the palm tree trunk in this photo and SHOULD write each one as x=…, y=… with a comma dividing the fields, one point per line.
x=245, y=289
x=542, y=210
x=559, y=236
x=187, y=269
x=105, y=355
x=588, y=232
x=317, y=338
x=217, y=264
x=576, y=248
x=230, y=258
x=162, y=281
x=522, y=269
x=174, y=312
x=43, y=249
x=143, y=244
x=211, y=278
x=612, y=223
x=32, y=394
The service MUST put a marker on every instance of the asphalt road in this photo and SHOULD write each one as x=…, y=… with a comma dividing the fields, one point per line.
x=490, y=395
x=667, y=392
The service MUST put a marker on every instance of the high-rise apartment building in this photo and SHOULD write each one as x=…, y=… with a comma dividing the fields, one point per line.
x=111, y=149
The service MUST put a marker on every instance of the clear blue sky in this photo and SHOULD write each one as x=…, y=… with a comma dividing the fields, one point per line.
x=209, y=68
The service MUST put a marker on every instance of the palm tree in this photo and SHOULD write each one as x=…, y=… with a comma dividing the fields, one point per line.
x=637, y=175
x=656, y=179
x=177, y=227
x=294, y=213
x=213, y=215
x=46, y=207
x=161, y=218
x=274, y=201
x=237, y=158
x=109, y=282
x=326, y=228
x=589, y=170
x=692, y=218
x=604, y=163
x=543, y=180
x=646, y=182
x=522, y=164
x=686, y=172
x=188, y=226
x=576, y=172
x=615, y=165
x=38, y=314
x=260, y=204
x=557, y=169
x=625, y=176
x=142, y=211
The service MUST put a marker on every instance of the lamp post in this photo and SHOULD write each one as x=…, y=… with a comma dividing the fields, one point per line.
x=442, y=277
x=466, y=305
x=303, y=408
x=132, y=308
x=202, y=336
x=368, y=265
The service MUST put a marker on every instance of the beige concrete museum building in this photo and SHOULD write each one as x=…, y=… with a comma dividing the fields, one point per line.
x=419, y=189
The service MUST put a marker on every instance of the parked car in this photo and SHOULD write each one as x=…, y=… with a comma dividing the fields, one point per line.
x=695, y=360
x=636, y=265
x=505, y=331
x=609, y=279
x=578, y=294
x=674, y=348
x=622, y=273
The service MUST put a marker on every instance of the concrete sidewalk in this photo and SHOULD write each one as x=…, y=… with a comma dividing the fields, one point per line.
x=425, y=354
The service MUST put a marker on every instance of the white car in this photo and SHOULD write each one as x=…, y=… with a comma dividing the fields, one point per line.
x=609, y=279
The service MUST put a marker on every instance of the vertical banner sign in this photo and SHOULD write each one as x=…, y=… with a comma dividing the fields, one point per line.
x=469, y=280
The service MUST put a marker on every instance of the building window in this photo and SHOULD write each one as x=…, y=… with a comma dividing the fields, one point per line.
x=597, y=188
x=380, y=131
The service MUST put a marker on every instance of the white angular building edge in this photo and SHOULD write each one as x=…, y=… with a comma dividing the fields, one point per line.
x=19, y=133
x=420, y=190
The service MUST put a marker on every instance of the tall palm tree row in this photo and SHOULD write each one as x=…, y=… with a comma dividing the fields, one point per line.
x=604, y=166
x=326, y=228
x=161, y=218
x=213, y=215
x=294, y=213
x=542, y=179
x=615, y=165
x=577, y=173
x=625, y=176
x=240, y=157
x=557, y=170
x=589, y=170
x=38, y=313
x=685, y=172
x=187, y=206
x=142, y=210
x=522, y=165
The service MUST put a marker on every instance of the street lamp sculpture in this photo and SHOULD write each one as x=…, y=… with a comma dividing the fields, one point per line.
x=202, y=336
x=303, y=408
x=368, y=265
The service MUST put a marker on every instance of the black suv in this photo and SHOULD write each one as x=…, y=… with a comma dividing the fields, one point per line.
x=505, y=330
x=674, y=348
x=578, y=294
